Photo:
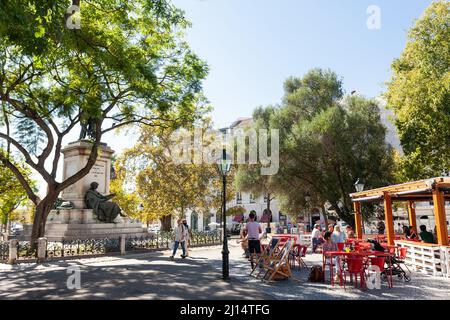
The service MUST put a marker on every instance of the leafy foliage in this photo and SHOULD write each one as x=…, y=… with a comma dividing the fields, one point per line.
x=419, y=95
x=327, y=142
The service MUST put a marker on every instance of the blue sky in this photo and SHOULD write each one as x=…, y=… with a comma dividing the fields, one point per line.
x=252, y=46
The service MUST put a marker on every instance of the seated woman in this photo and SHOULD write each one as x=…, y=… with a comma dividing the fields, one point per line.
x=327, y=246
x=412, y=233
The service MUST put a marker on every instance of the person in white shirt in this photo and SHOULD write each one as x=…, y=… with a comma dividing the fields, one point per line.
x=316, y=237
x=179, y=238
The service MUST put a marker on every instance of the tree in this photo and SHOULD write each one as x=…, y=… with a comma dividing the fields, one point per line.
x=12, y=194
x=419, y=95
x=127, y=65
x=248, y=176
x=327, y=142
x=164, y=187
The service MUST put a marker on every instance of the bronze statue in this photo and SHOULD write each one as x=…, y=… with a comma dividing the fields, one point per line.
x=88, y=129
x=105, y=210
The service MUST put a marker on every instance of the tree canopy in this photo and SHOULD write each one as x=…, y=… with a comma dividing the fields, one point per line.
x=163, y=186
x=419, y=95
x=127, y=64
x=327, y=141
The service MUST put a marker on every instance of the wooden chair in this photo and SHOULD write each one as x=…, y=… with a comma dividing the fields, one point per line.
x=279, y=265
x=271, y=251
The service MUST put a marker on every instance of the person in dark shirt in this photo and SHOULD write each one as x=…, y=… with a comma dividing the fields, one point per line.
x=425, y=235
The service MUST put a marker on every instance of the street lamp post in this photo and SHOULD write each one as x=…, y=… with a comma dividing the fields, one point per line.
x=308, y=199
x=224, y=165
x=359, y=186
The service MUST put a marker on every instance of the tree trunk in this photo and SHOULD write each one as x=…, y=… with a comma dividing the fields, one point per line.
x=40, y=217
x=166, y=223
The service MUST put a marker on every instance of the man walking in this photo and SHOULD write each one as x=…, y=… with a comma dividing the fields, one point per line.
x=316, y=237
x=179, y=238
x=254, y=230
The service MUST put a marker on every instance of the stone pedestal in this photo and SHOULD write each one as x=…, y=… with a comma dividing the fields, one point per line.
x=76, y=155
x=81, y=223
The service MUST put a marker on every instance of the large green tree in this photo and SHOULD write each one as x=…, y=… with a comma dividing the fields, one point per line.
x=419, y=95
x=127, y=64
x=12, y=194
x=328, y=140
x=163, y=186
x=248, y=176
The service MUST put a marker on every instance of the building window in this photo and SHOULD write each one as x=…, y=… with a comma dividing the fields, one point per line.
x=238, y=198
x=252, y=198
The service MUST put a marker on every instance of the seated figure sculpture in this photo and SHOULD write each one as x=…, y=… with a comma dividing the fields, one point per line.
x=105, y=210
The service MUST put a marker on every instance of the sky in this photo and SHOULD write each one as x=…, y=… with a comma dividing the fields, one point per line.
x=252, y=46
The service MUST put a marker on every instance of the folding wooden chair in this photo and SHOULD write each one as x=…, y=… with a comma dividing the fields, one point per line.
x=279, y=265
x=271, y=251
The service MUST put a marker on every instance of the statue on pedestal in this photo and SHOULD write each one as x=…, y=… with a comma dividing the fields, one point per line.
x=105, y=210
x=87, y=129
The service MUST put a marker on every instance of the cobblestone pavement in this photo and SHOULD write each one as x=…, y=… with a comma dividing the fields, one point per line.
x=154, y=276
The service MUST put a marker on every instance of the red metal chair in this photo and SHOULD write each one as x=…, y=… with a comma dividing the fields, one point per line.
x=355, y=266
x=297, y=256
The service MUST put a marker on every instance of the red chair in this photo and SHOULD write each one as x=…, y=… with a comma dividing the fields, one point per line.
x=297, y=256
x=341, y=246
x=355, y=267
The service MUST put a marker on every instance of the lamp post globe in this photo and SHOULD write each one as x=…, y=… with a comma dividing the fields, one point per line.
x=359, y=185
x=224, y=166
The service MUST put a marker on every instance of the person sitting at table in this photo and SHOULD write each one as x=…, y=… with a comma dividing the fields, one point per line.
x=350, y=232
x=412, y=233
x=331, y=228
x=425, y=235
x=406, y=232
x=337, y=236
x=316, y=237
x=329, y=246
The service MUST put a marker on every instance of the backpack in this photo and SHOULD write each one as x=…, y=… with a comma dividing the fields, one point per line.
x=316, y=274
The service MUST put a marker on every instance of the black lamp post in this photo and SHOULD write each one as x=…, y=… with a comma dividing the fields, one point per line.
x=308, y=199
x=224, y=165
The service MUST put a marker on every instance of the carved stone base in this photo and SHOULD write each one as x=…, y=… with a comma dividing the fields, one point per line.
x=71, y=224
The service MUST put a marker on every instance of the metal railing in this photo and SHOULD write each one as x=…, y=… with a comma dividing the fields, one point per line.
x=81, y=247
x=92, y=247
x=4, y=251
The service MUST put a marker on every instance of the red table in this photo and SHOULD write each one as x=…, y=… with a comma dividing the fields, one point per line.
x=364, y=254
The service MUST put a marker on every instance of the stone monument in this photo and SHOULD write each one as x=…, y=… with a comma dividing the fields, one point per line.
x=80, y=222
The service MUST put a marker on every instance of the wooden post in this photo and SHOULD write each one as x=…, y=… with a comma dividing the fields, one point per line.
x=412, y=216
x=439, y=214
x=389, y=220
x=358, y=218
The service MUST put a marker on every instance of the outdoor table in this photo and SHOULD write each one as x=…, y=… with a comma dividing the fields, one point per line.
x=285, y=237
x=364, y=254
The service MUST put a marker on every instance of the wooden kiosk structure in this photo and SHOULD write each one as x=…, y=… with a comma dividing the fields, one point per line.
x=434, y=189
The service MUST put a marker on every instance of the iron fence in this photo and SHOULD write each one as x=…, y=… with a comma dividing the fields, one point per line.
x=162, y=240
x=87, y=247
x=4, y=250
x=25, y=251
x=81, y=247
